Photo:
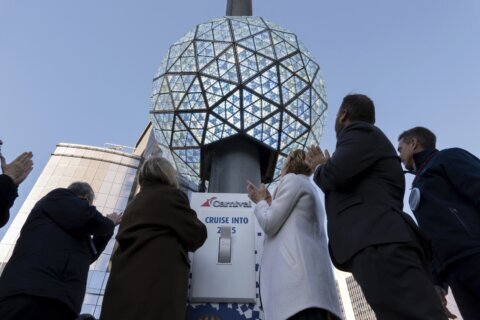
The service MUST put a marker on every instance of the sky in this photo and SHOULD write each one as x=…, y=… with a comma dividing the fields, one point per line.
x=81, y=71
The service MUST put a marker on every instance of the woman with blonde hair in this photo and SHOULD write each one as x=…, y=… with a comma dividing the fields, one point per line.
x=296, y=276
x=149, y=276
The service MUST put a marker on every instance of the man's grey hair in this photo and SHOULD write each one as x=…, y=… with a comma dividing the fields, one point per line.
x=82, y=190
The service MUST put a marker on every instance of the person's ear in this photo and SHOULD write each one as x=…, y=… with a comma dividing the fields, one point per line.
x=342, y=116
x=414, y=143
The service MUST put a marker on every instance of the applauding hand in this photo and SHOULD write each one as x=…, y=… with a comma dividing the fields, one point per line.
x=258, y=194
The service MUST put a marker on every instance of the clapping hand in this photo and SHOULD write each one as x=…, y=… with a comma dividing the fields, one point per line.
x=115, y=217
x=315, y=156
x=258, y=194
x=19, y=168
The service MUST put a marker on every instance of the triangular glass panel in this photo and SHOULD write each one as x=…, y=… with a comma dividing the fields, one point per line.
x=204, y=31
x=310, y=66
x=267, y=131
x=190, y=156
x=226, y=66
x=256, y=28
x=318, y=125
x=288, y=37
x=274, y=26
x=248, y=43
x=193, y=101
x=186, y=166
x=283, y=49
x=285, y=74
x=300, y=107
x=164, y=103
x=164, y=120
x=182, y=136
x=204, y=48
x=193, y=120
x=296, y=144
x=266, y=84
x=221, y=32
x=255, y=21
x=293, y=63
x=292, y=87
x=175, y=51
x=164, y=85
x=179, y=82
x=211, y=69
x=229, y=111
x=319, y=85
x=262, y=40
x=318, y=106
x=240, y=29
x=302, y=73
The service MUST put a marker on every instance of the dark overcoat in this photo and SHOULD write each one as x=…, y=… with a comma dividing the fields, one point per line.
x=8, y=193
x=55, y=248
x=449, y=206
x=149, y=276
x=364, y=187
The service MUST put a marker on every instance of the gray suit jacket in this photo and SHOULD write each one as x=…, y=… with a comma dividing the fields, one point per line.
x=364, y=186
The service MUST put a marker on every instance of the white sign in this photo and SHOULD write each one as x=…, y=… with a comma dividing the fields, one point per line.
x=223, y=269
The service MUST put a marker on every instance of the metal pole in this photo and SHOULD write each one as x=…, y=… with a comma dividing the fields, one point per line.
x=232, y=164
x=239, y=8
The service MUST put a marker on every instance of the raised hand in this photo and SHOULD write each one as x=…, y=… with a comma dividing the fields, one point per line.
x=258, y=194
x=315, y=156
x=19, y=168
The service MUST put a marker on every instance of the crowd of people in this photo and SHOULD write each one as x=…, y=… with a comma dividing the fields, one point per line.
x=404, y=267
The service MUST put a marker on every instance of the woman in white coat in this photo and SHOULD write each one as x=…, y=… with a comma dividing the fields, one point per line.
x=296, y=276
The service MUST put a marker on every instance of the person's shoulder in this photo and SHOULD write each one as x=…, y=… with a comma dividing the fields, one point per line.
x=359, y=128
x=60, y=192
x=456, y=153
x=294, y=180
x=163, y=190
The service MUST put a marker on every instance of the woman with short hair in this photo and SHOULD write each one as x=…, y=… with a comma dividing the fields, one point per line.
x=149, y=276
x=296, y=276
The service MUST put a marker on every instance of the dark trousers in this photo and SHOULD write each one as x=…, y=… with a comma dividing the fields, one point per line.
x=311, y=314
x=24, y=307
x=464, y=280
x=396, y=282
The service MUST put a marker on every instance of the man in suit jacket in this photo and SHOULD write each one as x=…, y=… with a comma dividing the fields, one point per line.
x=13, y=174
x=46, y=276
x=369, y=235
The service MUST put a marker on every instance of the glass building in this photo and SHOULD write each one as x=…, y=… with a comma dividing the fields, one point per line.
x=111, y=173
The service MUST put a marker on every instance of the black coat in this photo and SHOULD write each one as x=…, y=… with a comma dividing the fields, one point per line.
x=449, y=209
x=8, y=193
x=53, y=253
x=364, y=187
x=149, y=277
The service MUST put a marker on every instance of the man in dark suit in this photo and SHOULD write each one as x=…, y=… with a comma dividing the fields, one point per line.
x=46, y=276
x=13, y=174
x=369, y=235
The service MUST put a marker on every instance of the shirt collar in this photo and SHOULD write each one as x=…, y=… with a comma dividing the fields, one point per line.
x=422, y=156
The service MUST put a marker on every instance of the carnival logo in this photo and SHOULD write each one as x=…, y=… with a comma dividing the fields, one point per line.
x=213, y=202
x=208, y=202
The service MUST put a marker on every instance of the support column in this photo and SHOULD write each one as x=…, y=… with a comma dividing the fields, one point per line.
x=233, y=162
x=239, y=8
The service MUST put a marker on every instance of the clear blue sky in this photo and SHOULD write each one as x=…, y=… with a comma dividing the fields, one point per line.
x=81, y=71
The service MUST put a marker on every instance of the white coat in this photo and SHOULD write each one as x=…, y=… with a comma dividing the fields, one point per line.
x=296, y=271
